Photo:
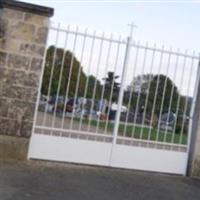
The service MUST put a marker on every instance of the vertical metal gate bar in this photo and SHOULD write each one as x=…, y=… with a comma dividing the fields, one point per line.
x=172, y=93
x=121, y=92
x=163, y=96
x=131, y=92
x=147, y=95
x=156, y=93
x=60, y=77
x=139, y=93
x=71, y=69
x=65, y=100
x=88, y=72
x=69, y=77
x=51, y=74
x=95, y=84
x=144, y=64
x=112, y=87
x=186, y=102
x=105, y=71
x=179, y=98
x=78, y=79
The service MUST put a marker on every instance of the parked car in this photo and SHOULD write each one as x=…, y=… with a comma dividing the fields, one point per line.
x=71, y=104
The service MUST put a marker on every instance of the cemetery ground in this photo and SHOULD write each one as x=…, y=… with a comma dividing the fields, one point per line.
x=106, y=127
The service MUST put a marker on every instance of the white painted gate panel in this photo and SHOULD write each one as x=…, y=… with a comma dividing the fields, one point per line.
x=65, y=149
x=114, y=102
x=148, y=159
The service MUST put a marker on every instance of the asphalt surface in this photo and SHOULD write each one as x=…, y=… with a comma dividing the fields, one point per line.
x=33, y=181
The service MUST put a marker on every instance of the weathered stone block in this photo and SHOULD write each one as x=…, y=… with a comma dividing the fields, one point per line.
x=20, y=78
x=3, y=75
x=26, y=129
x=41, y=35
x=15, y=148
x=4, y=106
x=3, y=28
x=21, y=111
x=196, y=167
x=12, y=14
x=32, y=95
x=22, y=31
x=15, y=128
x=16, y=77
x=21, y=93
x=18, y=61
x=7, y=126
x=197, y=147
x=9, y=45
x=3, y=126
x=16, y=92
x=36, y=19
x=33, y=80
x=3, y=57
x=2, y=43
x=12, y=78
x=36, y=65
x=32, y=49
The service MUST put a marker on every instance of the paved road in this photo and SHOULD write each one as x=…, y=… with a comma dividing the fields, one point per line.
x=70, y=182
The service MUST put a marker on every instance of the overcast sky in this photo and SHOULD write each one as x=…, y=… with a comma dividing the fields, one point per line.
x=174, y=24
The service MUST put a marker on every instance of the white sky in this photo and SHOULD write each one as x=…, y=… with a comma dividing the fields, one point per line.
x=172, y=23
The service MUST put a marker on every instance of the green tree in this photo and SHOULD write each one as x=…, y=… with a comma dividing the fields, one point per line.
x=55, y=57
x=91, y=87
x=71, y=65
x=140, y=83
x=165, y=89
x=145, y=86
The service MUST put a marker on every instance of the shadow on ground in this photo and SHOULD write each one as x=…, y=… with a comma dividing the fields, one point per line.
x=44, y=181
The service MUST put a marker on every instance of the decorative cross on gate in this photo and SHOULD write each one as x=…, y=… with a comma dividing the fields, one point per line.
x=132, y=26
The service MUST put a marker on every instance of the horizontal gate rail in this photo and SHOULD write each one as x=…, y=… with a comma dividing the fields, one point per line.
x=124, y=41
x=71, y=131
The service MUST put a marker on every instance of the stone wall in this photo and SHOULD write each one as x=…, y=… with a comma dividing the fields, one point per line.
x=23, y=36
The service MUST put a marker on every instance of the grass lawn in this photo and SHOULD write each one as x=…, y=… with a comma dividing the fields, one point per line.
x=160, y=136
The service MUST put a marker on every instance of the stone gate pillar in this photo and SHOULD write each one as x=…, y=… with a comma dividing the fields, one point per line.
x=23, y=37
x=194, y=154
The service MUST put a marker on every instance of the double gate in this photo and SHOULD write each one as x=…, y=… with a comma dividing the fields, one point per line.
x=110, y=101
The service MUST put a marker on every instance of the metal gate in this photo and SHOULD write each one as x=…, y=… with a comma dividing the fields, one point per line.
x=111, y=101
